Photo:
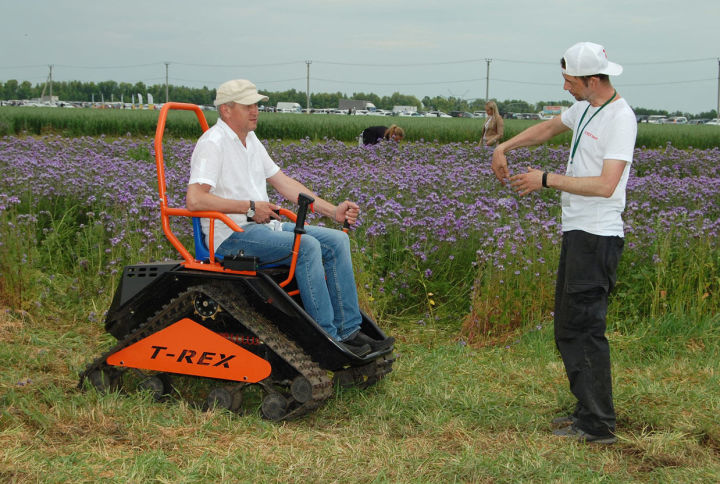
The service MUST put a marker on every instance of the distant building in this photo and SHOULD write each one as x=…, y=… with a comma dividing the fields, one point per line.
x=552, y=111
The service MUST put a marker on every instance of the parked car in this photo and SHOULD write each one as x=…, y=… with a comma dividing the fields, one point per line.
x=527, y=116
x=480, y=114
x=714, y=122
x=676, y=120
x=460, y=114
x=656, y=119
x=437, y=114
x=698, y=121
x=641, y=118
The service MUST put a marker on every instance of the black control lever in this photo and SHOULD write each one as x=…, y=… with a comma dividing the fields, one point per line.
x=304, y=202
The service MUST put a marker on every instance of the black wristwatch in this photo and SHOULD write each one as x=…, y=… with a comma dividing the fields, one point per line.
x=251, y=213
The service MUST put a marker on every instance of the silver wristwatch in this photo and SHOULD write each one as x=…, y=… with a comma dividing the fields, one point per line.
x=251, y=213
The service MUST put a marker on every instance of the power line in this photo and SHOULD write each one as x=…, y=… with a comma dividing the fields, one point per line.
x=25, y=67
x=109, y=67
x=197, y=81
x=398, y=83
x=349, y=64
x=275, y=64
x=416, y=64
x=681, y=61
x=668, y=83
x=625, y=63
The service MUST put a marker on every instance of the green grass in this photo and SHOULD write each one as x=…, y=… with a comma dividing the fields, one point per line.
x=111, y=122
x=447, y=413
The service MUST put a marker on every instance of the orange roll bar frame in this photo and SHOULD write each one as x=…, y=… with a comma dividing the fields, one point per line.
x=166, y=211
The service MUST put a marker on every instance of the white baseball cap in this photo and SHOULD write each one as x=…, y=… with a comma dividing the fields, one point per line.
x=587, y=59
x=240, y=91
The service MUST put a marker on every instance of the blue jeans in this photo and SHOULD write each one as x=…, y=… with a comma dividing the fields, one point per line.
x=324, y=271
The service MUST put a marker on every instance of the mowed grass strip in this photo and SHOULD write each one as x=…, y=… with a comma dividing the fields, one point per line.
x=447, y=413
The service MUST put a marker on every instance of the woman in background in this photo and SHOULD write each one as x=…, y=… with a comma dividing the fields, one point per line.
x=492, y=132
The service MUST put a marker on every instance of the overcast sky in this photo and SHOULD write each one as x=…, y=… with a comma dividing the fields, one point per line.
x=669, y=48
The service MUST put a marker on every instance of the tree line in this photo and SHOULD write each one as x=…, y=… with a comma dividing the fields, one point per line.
x=111, y=91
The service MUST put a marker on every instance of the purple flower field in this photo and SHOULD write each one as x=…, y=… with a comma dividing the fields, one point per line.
x=433, y=218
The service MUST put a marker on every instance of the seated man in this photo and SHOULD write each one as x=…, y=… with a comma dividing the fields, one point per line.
x=228, y=174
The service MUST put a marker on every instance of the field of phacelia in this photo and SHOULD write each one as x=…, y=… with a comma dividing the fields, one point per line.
x=439, y=242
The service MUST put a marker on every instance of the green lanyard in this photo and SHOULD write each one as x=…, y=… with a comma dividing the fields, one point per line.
x=580, y=131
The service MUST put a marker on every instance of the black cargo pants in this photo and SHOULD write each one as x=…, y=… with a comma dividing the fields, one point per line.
x=586, y=275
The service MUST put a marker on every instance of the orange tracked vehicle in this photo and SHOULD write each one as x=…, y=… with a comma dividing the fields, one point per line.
x=226, y=333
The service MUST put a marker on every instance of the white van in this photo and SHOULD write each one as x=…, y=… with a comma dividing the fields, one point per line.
x=285, y=107
x=656, y=119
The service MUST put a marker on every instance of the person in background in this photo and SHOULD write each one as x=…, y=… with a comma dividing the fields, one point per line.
x=373, y=134
x=229, y=172
x=593, y=199
x=492, y=131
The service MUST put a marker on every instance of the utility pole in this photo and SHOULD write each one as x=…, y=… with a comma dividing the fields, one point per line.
x=718, y=101
x=307, y=108
x=167, y=96
x=487, y=80
x=47, y=82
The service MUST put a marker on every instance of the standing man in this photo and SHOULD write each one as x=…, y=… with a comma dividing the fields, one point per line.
x=229, y=171
x=593, y=198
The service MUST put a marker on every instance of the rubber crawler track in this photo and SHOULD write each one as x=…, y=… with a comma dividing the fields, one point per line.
x=235, y=305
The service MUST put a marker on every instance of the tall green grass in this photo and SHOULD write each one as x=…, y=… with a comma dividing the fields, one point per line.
x=112, y=122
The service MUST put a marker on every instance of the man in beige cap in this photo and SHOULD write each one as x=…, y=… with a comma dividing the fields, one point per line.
x=229, y=172
x=593, y=198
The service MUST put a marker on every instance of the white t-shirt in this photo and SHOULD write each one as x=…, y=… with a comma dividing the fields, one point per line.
x=485, y=127
x=232, y=170
x=610, y=135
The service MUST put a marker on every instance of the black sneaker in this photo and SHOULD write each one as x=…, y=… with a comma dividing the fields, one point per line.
x=375, y=344
x=356, y=349
x=574, y=433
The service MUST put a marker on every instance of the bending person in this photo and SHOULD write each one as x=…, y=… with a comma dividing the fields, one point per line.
x=229, y=172
x=373, y=134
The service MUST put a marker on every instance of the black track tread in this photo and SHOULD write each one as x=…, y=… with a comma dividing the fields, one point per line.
x=272, y=337
x=163, y=318
x=235, y=305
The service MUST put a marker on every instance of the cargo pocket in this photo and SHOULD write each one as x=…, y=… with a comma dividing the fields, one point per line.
x=585, y=268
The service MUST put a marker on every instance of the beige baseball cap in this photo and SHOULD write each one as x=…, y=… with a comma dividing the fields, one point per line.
x=240, y=91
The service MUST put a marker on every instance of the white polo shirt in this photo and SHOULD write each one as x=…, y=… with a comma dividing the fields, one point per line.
x=610, y=135
x=233, y=170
